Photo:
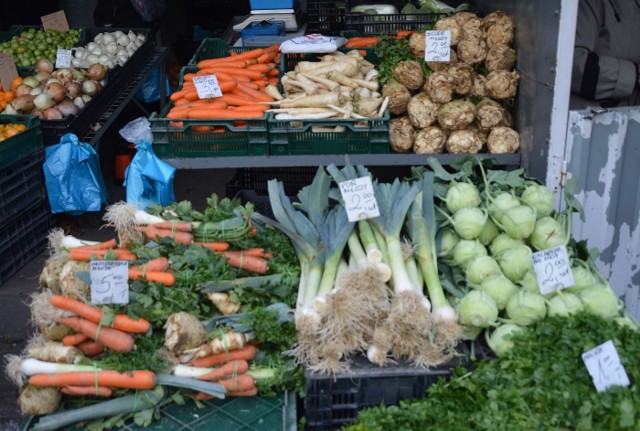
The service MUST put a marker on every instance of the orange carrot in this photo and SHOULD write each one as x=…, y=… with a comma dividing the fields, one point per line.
x=199, y=113
x=248, y=263
x=156, y=265
x=91, y=348
x=178, y=237
x=139, y=379
x=252, y=74
x=178, y=124
x=214, y=245
x=246, y=393
x=86, y=255
x=111, y=338
x=248, y=352
x=273, y=48
x=234, y=100
x=251, y=108
x=104, y=245
x=254, y=94
x=121, y=322
x=273, y=72
x=229, y=369
x=245, y=55
x=253, y=251
x=100, y=391
x=74, y=339
x=260, y=67
x=404, y=33
x=183, y=226
x=241, y=382
x=166, y=278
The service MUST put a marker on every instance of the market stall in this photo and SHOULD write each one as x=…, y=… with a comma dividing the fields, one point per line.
x=319, y=292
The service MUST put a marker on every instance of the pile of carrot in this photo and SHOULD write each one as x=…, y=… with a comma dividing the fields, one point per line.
x=92, y=335
x=230, y=370
x=371, y=41
x=242, y=77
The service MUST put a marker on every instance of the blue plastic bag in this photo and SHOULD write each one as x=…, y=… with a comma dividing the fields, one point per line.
x=150, y=89
x=147, y=179
x=73, y=178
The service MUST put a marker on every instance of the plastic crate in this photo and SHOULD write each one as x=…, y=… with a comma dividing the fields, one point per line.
x=212, y=48
x=117, y=80
x=260, y=203
x=22, y=186
x=273, y=4
x=332, y=402
x=232, y=414
x=339, y=136
x=370, y=25
x=325, y=17
x=255, y=179
x=18, y=146
x=24, y=239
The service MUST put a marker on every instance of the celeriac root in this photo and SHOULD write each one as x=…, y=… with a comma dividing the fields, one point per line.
x=121, y=216
x=44, y=317
x=50, y=275
x=183, y=332
x=38, y=401
x=224, y=302
x=51, y=351
x=224, y=342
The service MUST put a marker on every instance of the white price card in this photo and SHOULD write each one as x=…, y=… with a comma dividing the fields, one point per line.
x=55, y=21
x=604, y=366
x=438, y=44
x=359, y=199
x=207, y=86
x=8, y=70
x=63, y=58
x=109, y=282
x=552, y=269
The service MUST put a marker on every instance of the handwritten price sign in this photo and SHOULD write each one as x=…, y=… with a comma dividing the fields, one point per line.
x=8, y=70
x=359, y=199
x=207, y=86
x=604, y=366
x=438, y=45
x=109, y=282
x=63, y=58
x=552, y=269
x=55, y=21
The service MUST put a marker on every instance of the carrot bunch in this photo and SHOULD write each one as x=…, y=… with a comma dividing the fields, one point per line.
x=370, y=41
x=92, y=336
x=243, y=78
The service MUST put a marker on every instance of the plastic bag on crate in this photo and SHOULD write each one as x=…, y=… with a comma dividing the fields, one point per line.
x=312, y=43
x=147, y=179
x=73, y=178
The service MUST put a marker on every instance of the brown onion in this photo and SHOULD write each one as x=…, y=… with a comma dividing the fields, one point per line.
x=74, y=89
x=66, y=108
x=44, y=65
x=43, y=101
x=38, y=113
x=90, y=87
x=56, y=90
x=97, y=72
x=63, y=75
x=23, y=104
x=23, y=89
x=42, y=76
x=52, y=114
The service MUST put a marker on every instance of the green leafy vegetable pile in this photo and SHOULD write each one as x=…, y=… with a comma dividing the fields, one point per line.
x=542, y=384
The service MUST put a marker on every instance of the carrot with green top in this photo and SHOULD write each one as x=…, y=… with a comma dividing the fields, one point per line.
x=247, y=353
x=138, y=379
x=111, y=338
x=83, y=391
x=166, y=278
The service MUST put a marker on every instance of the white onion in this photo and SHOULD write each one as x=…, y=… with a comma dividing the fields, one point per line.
x=110, y=64
x=92, y=59
x=112, y=48
x=99, y=38
x=123, y=40
x=79, y=102
x=122, y=58
x=78, y=52
x=103, y=59
x=36, y=91
x=108, y=38
x=97, y=51
x=138, y=42
x=43, y=101
x=141, y=37
x=90, y=46
x=132, y=36
x=76, y=62
x=86, y=53
x=118, y=33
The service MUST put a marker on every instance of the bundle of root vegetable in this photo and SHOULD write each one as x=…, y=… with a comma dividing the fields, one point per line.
x=339, y=85
x=458, y=106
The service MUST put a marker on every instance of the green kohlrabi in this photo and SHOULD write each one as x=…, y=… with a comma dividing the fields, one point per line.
x=500, y=340
x=500, y=288
x=548, y=233
x=563, y=304
x=477, y=309
x=525, y=308
x=503, y=242
x=482, y=267
x=515, y=262
x=465, y=251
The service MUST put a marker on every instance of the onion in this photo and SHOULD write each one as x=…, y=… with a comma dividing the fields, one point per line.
x=90, y=46
x=92, y=58
x=50, y=80
x=97, y=51
x=118, y=33
x=78, y=53
x=36, y=90
x=112, y=48
x=67, y=107
x=122, y=59
x=23, y=89
x=79, y=75
x=74, y=89
x=110, y=64
x=9, y=110
x=79, y=102
x=63, y=75
x=103, y=59
x=43, y=101
x=132, y=36
x=90, y=87
x=23, y=104
x=97, y=72
x=52, y=114
x=56, y=90
x=44, y=65
x=42, y=76
x=31, y=81
x=99, y=38
x=38, y=113
x=108, y=38
x=123, y=40
x=86, y=98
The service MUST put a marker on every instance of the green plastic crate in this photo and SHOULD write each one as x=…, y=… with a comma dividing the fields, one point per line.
x=349, y=136
x=15, y=148
x=233, y=414
x=213, y=48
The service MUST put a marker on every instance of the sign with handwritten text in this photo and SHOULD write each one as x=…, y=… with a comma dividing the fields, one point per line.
x=55, y=21
x=359, y=199
x=207, y=86
x=604, y=366
x=109, y=282
x=63, y=58
x=437, y=45
x=552, y=269
x=8, y=70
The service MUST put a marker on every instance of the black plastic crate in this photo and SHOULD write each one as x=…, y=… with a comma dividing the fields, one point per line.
x=293, y=179
x=24, y=239
x=325, y=17
x=21, y=186
x=332, y=402
x=371, y=25
x=260, y=203
x=117, y=79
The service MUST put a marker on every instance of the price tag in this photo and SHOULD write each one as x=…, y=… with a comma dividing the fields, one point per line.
x=55, y=21
x=438, y=45
x=603, y=364
x=552, y=269
x=63, y=58
x=8, y=70
x=207, y=86
x=109, y=282
x=359, y=199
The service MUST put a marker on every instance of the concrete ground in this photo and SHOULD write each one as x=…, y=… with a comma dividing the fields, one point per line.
x=15, y=326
